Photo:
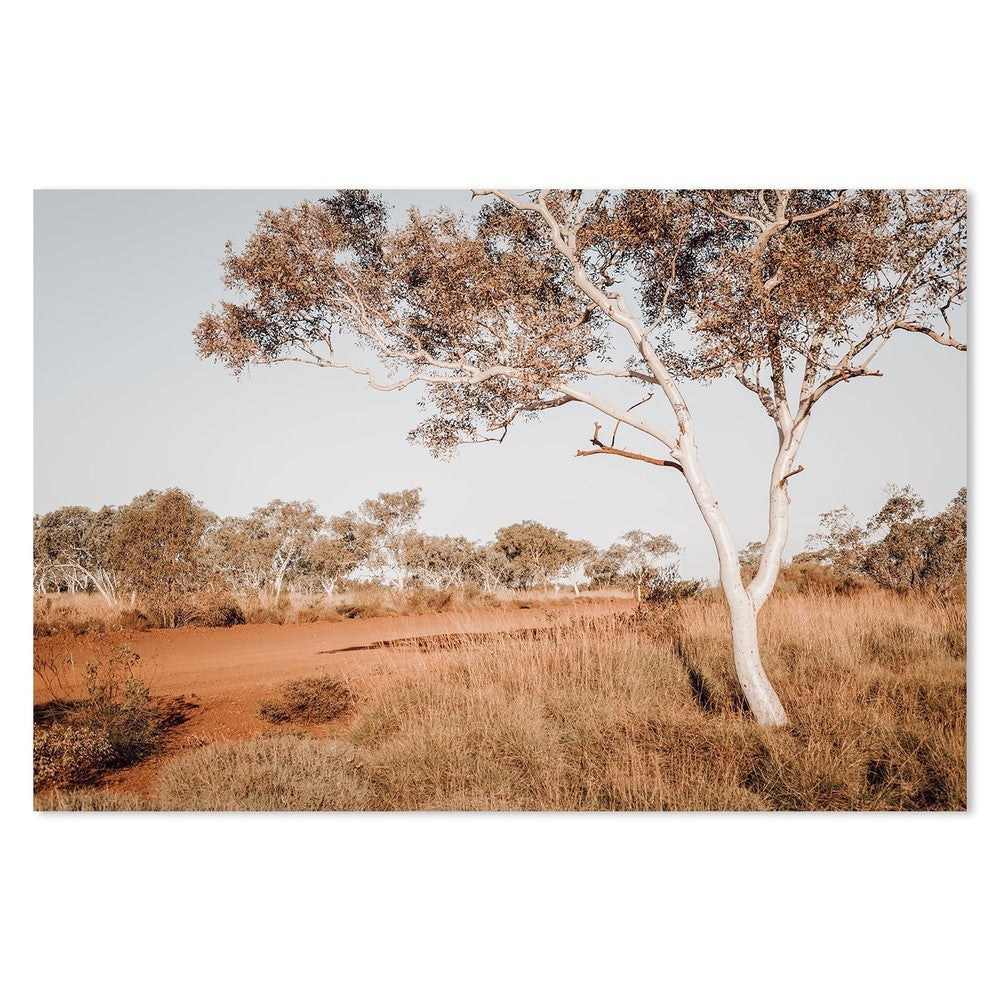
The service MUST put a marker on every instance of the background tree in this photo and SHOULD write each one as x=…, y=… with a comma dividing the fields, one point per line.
x=641, y=556
x=438, y=561
x=285, y=531
x=344, y=544
x=489, y=567
x=158, y=550
x=391, y=517
x=840, y=541
x=74, y=548
x=749, y=557
x=909, y=550
x=899, y=548
x=605, y=566
x=578, y=554
x=236, y=549
x=544, y=297
x=535, y=552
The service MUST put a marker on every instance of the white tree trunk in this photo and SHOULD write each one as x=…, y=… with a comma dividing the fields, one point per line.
x=280, y=577
x=761, y=697
x=743, y=608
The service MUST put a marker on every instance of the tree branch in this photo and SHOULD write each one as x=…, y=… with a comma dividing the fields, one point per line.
x=603, y=449
x=794, y=472
x=941, y=338
x=631, y=454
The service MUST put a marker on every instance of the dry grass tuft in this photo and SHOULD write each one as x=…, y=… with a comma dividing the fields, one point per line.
x=289, y=773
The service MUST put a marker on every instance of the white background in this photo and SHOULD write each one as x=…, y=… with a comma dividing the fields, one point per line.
x=423, y=95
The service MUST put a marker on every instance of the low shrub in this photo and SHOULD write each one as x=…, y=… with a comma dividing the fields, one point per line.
x=70, y=755
x=258, y=612
x=136, y=620
x=312, y=699
x=667, y=587
x=807, y=577
x=423, y=600
x=275, y=712
x=351, y=609
x=73, y=615
x=215, y=612
x=116, y=724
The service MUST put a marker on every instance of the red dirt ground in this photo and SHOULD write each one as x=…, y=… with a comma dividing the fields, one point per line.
x=225, y=673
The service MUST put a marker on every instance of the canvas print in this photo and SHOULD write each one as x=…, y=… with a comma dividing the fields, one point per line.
x=500, y=500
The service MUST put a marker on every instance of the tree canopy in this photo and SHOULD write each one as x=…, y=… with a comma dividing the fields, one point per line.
x=516, y=308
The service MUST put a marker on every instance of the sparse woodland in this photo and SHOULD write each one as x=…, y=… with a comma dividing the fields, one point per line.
x=636, y=710
x=168, y=557
x=831, y=678
x=165, y=561
x=554, y=298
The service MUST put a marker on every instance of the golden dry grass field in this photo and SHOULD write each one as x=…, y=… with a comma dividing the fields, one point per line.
x=576, y=711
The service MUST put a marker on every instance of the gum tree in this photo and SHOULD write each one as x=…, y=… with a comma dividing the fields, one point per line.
x=158, y=548
x=535, y=552
x=283, y=531
x=339, y=549
x=641, y=556
x=391, y=517
x=550, y=298
x=76, y=546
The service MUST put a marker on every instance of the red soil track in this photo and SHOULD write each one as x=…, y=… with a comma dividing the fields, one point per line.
x=227, y=672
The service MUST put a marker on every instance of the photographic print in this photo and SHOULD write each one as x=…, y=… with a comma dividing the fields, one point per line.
x=561, y=500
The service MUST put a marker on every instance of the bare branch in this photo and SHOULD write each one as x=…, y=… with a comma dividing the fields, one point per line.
x=603, y=449
x=632, y=454
x=614, y=433
x=794, y=472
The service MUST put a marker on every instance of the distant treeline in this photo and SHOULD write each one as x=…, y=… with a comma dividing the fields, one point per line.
x=165, y=545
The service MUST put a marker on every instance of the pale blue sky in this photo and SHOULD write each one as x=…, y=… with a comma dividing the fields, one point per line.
x=122, y=405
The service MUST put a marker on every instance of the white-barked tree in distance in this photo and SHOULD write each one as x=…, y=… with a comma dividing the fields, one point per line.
x=548, y=298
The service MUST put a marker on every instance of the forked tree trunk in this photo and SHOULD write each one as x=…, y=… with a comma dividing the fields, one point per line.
x=760, y=695
x=743, y=607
